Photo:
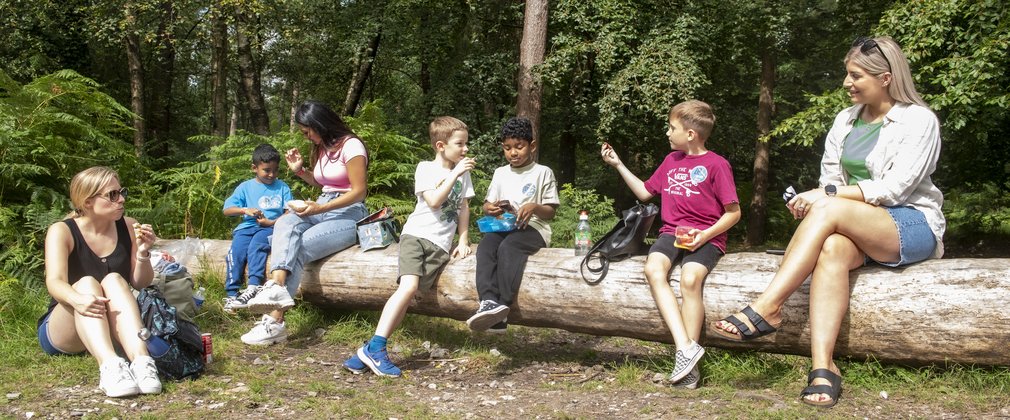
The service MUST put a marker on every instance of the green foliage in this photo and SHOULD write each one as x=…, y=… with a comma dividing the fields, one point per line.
x=50, y=129
x=601, y=215
x=974, y=211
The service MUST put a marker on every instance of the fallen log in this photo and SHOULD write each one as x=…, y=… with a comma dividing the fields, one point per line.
x=949, y=310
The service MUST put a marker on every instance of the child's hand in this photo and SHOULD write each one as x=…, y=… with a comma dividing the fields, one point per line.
x=609, y=155
x=462, y=250
x=698, y=238
x=492, y=209
x=463, y=166
x=264, y=222
x=524, y=214
x=294, y=159
x=253, y=212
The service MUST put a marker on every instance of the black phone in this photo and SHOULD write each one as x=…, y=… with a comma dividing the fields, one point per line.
x=506, y=206
x=775, y=251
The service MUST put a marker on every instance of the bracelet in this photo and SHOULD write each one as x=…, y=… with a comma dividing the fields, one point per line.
x=144, y=259
x=300, y=171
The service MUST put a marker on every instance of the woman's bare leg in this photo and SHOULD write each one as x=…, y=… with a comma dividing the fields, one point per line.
x=869, y=227
x=72, y=332
x=829, y=300
x=124, y=315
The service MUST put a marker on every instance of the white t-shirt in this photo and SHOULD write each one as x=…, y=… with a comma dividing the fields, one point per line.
x=437, y=225
x=533, y=183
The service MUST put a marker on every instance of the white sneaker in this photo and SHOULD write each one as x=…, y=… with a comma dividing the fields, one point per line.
x=686, y=360
x=690, y=381
x=271, y=297
x=116, y=379
x=145, y=372
x=266, y=331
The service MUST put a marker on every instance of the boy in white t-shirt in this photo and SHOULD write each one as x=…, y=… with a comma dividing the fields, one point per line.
x=443, y=190
x=529, y=190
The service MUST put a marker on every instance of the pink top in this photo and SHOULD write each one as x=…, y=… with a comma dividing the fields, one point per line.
x=331, y=168
x=694, y=191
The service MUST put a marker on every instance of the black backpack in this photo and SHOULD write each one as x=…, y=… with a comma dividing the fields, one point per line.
x=184, y=358
x=623, y=241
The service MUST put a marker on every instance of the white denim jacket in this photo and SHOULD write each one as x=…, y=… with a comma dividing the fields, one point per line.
x=900, y=164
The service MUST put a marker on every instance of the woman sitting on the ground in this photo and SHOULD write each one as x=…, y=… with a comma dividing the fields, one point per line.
x=92, y=258
x=876, y=202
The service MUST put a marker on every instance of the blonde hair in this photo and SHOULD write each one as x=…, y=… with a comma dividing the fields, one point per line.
x=695, y=115
x=442, y=128
x=86, y=184
x=889, y=58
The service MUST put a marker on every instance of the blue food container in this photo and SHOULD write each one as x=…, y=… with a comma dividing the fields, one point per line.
x=505, y=223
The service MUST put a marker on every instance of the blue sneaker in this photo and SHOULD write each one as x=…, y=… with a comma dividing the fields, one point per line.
x=379, y=362
x=355, y=365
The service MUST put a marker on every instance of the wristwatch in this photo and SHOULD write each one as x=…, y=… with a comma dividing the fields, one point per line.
x=830, y=190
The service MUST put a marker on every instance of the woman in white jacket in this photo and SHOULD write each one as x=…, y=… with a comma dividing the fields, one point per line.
x=876, y=202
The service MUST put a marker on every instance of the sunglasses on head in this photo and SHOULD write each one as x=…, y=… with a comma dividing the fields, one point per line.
x=866, y=45
x=114, y=195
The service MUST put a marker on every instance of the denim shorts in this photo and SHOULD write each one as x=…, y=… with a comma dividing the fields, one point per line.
x=915, y=238
x=47, y=345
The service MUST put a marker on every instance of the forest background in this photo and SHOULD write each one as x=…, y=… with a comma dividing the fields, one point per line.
x=174, y=94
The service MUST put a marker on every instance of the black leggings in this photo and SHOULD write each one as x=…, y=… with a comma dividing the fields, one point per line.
x=501, y=260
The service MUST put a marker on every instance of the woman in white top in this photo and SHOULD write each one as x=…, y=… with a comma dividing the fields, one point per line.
x=876, y=202
x=317, y=229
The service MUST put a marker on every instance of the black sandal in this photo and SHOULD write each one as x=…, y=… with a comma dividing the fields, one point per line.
x=834, y=390
x=745, y=333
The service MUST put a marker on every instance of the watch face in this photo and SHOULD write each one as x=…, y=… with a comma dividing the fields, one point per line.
x=831, y=189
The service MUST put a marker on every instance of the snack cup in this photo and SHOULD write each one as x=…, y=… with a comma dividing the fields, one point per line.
x=297, y=205
x=684, y=237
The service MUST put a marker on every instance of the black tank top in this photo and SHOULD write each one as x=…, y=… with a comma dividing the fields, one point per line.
x=83, y=262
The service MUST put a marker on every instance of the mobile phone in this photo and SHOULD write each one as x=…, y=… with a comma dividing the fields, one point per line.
x=506, y=206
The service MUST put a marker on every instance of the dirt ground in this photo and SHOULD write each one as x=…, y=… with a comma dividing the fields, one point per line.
x=304, y=379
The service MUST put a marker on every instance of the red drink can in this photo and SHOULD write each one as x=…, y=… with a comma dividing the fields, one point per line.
x=208, y=348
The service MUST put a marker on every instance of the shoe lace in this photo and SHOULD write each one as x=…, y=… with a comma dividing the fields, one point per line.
x=120, y=372
x=249, y=293
x=486, y=305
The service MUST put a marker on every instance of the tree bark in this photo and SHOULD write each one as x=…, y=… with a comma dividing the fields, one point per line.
x=250, y=75
x=219, y=72
x=762, y=150
x=361, y=73
x=164, y=79
x=136, y=69
x=937, y=311
x=531, y=54
x=293, y=122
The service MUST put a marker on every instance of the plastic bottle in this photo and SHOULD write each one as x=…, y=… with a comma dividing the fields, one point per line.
x=156, y=346
x=583, y=234
x=198, y=297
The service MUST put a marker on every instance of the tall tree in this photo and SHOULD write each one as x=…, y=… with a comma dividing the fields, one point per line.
x=762, y=149
x=531, y=55
x=362, y=69
x=219, y=70
x=249, y=72
x=132, y=41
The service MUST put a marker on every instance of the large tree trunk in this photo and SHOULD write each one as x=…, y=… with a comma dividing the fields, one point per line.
x=531, y=54
x=250, y=76
x=163, y=80
x=293, y=121
x=762, y=150
x=937, y=311
x=219, y=72
x=361, y=73
x=136, y=68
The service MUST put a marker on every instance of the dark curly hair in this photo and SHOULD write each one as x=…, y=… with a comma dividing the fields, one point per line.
x=265, y=153
x=517, y=128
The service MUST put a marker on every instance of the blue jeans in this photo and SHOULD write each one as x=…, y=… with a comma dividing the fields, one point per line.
x=914, y=236
x=249, y=247
x=299, y=240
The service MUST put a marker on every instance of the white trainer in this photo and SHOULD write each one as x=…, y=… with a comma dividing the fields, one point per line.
x=686, y=360
x=145, y=372
x=271, y=297
x=116, y=379
x=267, y=331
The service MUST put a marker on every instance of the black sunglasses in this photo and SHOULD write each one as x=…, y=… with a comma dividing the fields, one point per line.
x=866, y=45
x=114, y=195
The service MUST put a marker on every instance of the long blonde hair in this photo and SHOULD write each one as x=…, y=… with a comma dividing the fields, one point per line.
x=86, y=184
x=893, y=60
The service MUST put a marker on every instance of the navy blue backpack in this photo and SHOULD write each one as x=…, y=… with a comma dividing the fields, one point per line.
x=184, y=358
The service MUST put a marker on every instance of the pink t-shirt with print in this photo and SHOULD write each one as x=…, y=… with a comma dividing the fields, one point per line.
x=331, y=168
x=694, y=191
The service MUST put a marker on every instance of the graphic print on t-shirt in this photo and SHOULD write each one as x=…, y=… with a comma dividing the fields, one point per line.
x=450, y=208
x=529, y=190
x=681, y=180
x=268, y=202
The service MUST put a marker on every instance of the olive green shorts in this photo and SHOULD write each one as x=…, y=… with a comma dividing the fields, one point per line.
x=421, y=258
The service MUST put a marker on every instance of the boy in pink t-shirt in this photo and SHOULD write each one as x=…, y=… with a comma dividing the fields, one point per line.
x=697, y=194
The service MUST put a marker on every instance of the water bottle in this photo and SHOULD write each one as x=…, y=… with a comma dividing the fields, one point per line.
x=198, y=297
x=156, y=346
x=583, y=234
